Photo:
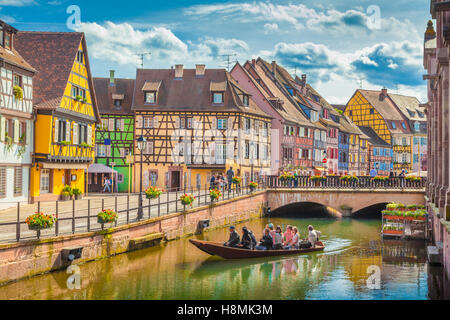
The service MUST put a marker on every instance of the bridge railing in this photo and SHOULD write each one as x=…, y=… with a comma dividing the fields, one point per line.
x=336, y=182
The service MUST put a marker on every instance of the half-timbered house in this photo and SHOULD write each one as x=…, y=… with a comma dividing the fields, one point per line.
x=65, y=108
x=115, y=134
x=16, y=120
x=197, y=122
x=380, y=152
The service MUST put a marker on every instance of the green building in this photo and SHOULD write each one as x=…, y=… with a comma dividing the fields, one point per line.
x=115, y=134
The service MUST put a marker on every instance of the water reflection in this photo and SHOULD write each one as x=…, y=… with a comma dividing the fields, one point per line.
x=178, y=270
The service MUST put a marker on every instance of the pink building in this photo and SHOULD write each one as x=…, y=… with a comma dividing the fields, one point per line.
x=436, y=62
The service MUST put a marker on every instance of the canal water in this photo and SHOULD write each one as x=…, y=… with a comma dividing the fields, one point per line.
x=178, y=270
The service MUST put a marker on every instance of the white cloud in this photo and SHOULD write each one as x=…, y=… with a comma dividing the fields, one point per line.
x=270, y=27
x=17, y=3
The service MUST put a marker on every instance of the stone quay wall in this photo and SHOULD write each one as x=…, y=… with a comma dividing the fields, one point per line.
x=26, y=259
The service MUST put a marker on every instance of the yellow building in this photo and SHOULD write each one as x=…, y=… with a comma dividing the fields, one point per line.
x=375, y=109
x=197, y=122
x=65, y=111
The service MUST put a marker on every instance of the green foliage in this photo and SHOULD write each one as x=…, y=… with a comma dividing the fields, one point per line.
x=77, y=191
x=18, y=92
x=39, y=221
x=107, y=216
x=67, y=190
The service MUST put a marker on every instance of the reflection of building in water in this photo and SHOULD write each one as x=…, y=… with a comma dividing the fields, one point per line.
x=358, y=266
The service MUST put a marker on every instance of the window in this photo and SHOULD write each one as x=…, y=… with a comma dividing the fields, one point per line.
x=45, y=181
x=150, y=97
x=416, y=126
x=393, y=125
x=17, y=181
x=62, y=130
x=2, y=182
x=149, y=148
x=404, y=125
x=117, y=124
x=148, y=122
x=78, y=92
x=17, y=80
x=120, y=178
x=117, y=103
x=416, y=158
x=404, y=141
x=80, y=56
x=265, y=129
x=245, y=100
x=101, y=150
x=248, y=125
x=372, y=111
x=325, y=113
x=423, y=141
x=218, y=97
x=222, y=124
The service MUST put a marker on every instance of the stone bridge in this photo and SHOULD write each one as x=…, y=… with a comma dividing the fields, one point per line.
x=344, y=202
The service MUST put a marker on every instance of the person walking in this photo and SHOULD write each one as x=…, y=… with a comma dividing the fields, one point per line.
x=106, y=185
x=212, y=182
x=230, y=176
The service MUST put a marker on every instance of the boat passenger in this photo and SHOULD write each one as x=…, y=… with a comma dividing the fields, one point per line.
x=248, y=239
x=313, y=236
x=266, y=241
x=278, y=239
x=272, y=231
x=293, y=244
x=234, y=239
x=288, y=235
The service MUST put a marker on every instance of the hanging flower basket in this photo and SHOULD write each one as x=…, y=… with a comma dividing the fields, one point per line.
x=187, y=199
x=40, y=221
x=253, y=185
x=236, y=180
x=215, y=194
x=153, y=193
x=107, y=216
x=18, y=92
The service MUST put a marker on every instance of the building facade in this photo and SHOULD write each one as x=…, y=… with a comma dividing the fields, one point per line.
x=66, y=111
x=379, y=153
x=197, y=122
x=115, y=134
x=16, y=120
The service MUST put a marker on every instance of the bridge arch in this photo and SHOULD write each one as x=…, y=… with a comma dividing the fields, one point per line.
x=305, y=209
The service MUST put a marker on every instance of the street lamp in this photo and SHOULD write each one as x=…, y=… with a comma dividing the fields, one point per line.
x=141, y=143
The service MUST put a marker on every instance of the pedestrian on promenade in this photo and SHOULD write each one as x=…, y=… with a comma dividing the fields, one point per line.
x=230, y=176
x=106, y=185
x=212, y=182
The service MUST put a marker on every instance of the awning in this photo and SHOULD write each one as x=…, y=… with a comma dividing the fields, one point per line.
x=319, y=168
x=100, y=168
x=66, y=166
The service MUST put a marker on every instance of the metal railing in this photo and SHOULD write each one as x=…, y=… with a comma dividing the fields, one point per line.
x=335, y=182
x=78, y=216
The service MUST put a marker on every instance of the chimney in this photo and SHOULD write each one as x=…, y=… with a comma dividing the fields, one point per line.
x=178, y=71
x=430, y=33
x=383, y=93
x=111, y=78
x=304, y=79
x=274, y=67
x=200, y=70
x=253, y=62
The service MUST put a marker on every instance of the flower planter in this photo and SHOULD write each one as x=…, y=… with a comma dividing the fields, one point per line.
x=393, y=232
x=252, y=189
x=78, y=196
x=37, y=228
x=152, y=196
x=394, y=217
x=65, y=198
x=101, y=221
x=186, y=203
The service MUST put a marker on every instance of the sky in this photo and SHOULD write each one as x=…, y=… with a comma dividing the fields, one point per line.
x=341, y=45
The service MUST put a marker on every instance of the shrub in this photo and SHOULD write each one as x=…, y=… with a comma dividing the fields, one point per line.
x=67, y=190
x=286, y=176
x=77, y=192
x=107, y=216
x=18, y=93
x=153, y=193
x=39, y=221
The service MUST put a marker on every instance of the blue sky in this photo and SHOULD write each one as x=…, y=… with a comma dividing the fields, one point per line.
x=339, y=44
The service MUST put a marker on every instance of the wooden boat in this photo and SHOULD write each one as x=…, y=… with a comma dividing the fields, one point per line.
x=218, y=249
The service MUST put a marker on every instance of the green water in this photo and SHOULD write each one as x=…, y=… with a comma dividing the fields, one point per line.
x=178, y=270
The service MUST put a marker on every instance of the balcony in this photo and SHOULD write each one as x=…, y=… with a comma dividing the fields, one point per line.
x=74, y=153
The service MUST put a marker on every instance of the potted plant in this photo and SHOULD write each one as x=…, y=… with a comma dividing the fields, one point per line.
x=66, y=193
x=253, y=185
x=85, y=100
x=78, y=98
x=391, y=206
x=236, y=180
x=187, y=199
x=106, y=216
x=318, y=179
x=412, y=207
x=215, y=194
x=18, y=92
x=77, y=193
x=40, y=221
x=153, y=193
x=65, y=143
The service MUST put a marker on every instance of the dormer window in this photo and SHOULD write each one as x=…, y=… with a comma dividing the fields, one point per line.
x=80, y=56
x=1, y=36
x=150, y=97
x=393, y=125
x=8, y=40
x=117, y=103
x=245, y=100
x=404, y=125
x=218, y=97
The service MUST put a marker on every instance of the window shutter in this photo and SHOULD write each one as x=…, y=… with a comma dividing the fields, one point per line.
x=67, y=131
x=177, y=122
x=155, y=122
x=75, y=133
x=28, y=132
x=230, y=123
x=16, y=131
x=111, y=125
x=108, y=151
x=138, y=122
x=2, y=128
x=122, y=152
x=89, y=134
x=122, y=124
x=55, y=137
x=214, y=123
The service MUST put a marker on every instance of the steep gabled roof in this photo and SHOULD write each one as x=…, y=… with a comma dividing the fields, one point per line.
x=384, y=106
x=409, y=106
x=123, y=88
x=374, y=139
x=53, y=54
x=12, y=56
x=192, y=92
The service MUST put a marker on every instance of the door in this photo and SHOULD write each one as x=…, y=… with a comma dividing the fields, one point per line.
x=175, y=181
